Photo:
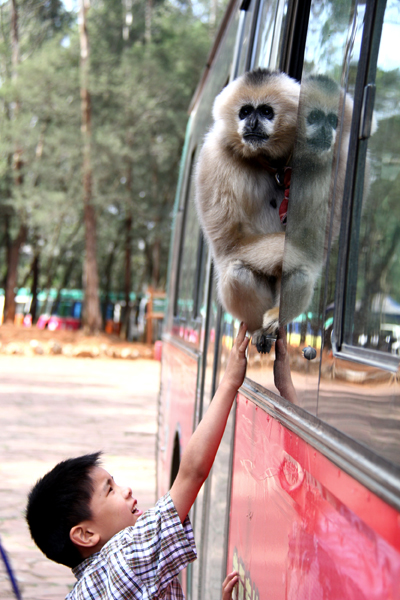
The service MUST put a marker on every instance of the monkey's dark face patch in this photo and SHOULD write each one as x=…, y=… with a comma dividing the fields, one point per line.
x=252, y=113
x=256, y=123
x=321, y=129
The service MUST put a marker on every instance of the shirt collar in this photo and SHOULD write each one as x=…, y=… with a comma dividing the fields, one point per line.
x=80, y=569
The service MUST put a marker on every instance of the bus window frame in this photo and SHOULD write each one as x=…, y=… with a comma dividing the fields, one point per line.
x=347, y=269
x=295, y=37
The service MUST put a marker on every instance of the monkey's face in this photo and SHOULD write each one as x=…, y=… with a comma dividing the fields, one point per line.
x=321, y=125
x=256, y=115
x=256, y=125
x=318, y=120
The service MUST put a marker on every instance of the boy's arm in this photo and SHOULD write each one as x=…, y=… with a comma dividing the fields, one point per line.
x=200, y=452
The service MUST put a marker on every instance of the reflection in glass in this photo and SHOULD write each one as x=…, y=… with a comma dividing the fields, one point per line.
x=330, y=67
x=266, y=27
x=377, y=307
x=188, y=280
x=319, y=166
x=359, y=399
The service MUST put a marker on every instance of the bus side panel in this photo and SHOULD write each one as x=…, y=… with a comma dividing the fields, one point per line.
x=176, y=410
x=290, y=537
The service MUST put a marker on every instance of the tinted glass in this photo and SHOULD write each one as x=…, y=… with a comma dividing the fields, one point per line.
x=268, y=25
x=186, y=324
x=376, y=276
x=317, y=183
x=190, y=308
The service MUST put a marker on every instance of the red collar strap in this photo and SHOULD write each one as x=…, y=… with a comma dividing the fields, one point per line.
x=282, y=177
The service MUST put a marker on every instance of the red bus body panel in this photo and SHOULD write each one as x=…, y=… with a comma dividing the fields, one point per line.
x=178, y=384
x=300, y=527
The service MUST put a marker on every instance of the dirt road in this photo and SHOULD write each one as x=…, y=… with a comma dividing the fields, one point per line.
x=53, y=407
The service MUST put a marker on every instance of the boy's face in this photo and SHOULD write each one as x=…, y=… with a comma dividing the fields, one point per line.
x=113, y=507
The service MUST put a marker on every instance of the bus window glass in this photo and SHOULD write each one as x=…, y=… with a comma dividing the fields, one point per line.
x=264, y=34
x=192, y=282
x=246, y=45
x=184, y=322
x=317, y=179
x=359, y=397
x=375, y=322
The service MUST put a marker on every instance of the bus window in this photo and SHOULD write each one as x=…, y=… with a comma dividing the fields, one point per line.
x=358, y=392
x=372, y=319
x=186, y=325
x=270, y=18
x=317, y=180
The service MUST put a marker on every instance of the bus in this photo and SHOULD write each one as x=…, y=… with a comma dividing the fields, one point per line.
x=304, y=496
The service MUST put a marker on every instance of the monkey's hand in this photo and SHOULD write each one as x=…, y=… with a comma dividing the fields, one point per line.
x=262, y=341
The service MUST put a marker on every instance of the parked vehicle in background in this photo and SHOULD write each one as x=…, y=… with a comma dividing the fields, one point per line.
x=62, y=310
x=304, y=498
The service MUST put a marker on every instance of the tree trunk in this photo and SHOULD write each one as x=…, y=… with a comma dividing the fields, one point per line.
x=35, y=285
x=15, y=245
x=148, y=18
x=128, y=251
x=12, y=273
x=156, y=263
x=108, y=278
x=91, y=312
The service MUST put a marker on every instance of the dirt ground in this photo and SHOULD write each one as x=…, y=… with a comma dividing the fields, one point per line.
x=31, y=341
x=53, y=407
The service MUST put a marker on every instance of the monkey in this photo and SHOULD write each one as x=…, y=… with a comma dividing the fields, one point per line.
x=240, y=189
x=316, y=190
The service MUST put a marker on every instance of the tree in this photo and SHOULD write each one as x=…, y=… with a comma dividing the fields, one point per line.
x=91, y=314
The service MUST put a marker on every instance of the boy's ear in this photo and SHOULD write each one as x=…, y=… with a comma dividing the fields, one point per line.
x=83, y=535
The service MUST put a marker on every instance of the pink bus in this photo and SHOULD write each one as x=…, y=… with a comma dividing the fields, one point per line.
x=304, y=496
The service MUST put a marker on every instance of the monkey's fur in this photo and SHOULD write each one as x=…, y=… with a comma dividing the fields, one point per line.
x=238, y=197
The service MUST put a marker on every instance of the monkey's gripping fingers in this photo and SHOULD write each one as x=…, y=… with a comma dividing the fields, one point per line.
x=265, y=337
x=262, y=341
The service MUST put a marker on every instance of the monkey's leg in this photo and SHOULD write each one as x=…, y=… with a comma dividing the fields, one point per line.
x=262, y=253
x=298, y=289
x=245, y=294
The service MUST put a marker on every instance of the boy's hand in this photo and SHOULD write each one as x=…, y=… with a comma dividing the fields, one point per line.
x=228, y=585
x=237, y=362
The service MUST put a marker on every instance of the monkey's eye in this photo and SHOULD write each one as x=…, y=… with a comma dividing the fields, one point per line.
x=245, y=111
x=332, y=120
x=315, y=117
x=266, y=111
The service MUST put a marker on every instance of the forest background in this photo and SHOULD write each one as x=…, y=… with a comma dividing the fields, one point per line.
x=93, y=111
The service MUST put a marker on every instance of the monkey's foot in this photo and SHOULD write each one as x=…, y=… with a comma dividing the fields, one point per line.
x=271, y=321
x=263, y=341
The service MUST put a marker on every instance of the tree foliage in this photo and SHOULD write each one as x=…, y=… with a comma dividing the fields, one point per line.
x=145, y=62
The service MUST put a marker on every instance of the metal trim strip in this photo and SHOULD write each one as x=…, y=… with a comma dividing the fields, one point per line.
x=374, y=472
x=373, y=358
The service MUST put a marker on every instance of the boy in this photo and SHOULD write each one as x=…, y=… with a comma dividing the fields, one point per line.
x=78, y=515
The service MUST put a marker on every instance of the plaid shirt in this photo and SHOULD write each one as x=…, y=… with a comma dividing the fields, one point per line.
x=140, y=562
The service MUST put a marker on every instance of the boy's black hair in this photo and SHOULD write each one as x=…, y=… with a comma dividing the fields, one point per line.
x=59, y=501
